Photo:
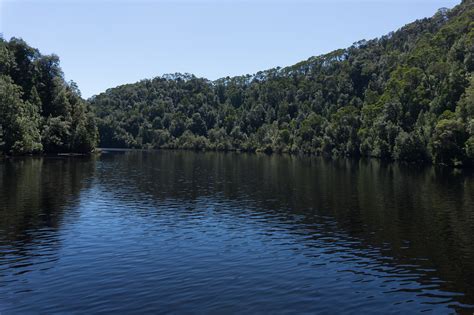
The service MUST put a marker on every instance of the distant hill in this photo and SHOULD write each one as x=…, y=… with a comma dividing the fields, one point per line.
x=408, y=95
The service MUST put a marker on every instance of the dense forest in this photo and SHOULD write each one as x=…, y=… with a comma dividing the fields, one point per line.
x=408, y=95
x=39, y=110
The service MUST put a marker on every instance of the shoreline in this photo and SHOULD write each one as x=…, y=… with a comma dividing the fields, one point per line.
x=388, y=161
x=103, y=150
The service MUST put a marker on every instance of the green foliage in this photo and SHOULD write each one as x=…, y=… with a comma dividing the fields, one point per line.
x=470, y=148
x=406, y=96
x=410, y=147
x=449, y=140
x=39, y=111
x=56, y=134
x=19, y=120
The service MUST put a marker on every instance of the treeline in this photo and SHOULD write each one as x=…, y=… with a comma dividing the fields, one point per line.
x=408, y=95
x=39, y=110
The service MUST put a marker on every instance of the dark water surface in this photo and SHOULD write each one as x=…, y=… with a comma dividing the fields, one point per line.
x=187, y=232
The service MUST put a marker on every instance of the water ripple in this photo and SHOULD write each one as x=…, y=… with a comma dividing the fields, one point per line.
x=213, y=233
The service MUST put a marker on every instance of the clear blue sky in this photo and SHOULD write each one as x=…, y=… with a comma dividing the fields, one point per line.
x=106, y=43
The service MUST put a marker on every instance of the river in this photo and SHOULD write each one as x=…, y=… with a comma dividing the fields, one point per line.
x=187, y=232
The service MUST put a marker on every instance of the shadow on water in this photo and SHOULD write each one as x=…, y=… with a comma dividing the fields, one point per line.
x=409, y=229
x=35, y=195
x=421, y=218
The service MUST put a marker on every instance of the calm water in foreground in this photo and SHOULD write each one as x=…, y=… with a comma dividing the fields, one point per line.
x=227, y=233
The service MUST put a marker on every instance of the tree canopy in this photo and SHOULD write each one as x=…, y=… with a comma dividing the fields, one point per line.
x=39, y=110
x=405, y=96
x=408, y=95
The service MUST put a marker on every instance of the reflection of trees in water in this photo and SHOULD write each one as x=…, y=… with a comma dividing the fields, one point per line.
x=406, y=212
x=34, y=195
x=425, y=215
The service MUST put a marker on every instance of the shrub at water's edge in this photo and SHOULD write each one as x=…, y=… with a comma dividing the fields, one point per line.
x=39, y=111
x=408, y=96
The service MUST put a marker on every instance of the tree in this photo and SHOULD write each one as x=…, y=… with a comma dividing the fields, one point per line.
x=198, y=126
x=404, y=96
x=36, y=104
x=19, y=120
x=448, y=142
x=178, y=125
x=410, y=147
x=56, y=135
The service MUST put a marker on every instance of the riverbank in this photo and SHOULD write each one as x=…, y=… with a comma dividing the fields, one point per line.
x=299, y=153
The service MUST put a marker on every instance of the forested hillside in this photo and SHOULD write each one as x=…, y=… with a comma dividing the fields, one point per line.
x=408, y=95
x=39, y=111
